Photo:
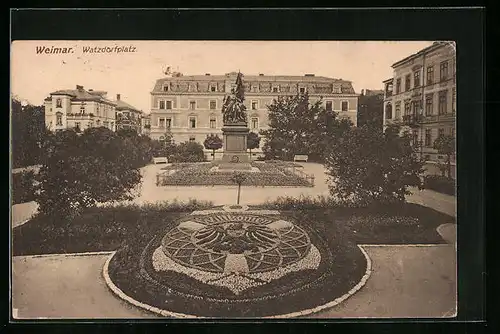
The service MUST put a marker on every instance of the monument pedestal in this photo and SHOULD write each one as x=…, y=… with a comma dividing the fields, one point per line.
x=235, y=155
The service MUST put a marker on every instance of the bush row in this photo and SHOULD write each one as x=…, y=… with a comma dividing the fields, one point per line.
x=23, y=189
x=440, y=184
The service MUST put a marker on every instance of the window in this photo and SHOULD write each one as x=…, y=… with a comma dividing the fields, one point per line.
x=398, y=85
x=255, y=104
x=407, y=82
x=161, y=122
x=161, y=104
x=345, y=105
x=443, y=71
x=428, y=106
x=440, y=132
x=213, y=87
x=169, y=105
x=82, y=108
x=58, y=118
x=415, y=137
x=388, y=111
x=417, y=106
x=192, y=105
x=302, y=90
x=329, y=106
x=276, y=89
x=169, y=122
x=213, y=104
x=428, y=137
x=255, y=123
x=407, y=108
x=398, y=110
x=255, y=89
x=213, y=123
x=430, y=75
x=442, y=103
x=192, y=139
x=166, y=88
x=192, y=122
x=77, y=125
x=454, y=100
x=453, y=132
x=58, y=103
x=416, y=79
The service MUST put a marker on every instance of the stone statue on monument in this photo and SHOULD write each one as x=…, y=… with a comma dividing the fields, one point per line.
x=233, y=109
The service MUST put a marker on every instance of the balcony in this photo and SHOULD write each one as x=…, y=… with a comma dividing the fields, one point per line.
x=412, y=120
x=79, y=116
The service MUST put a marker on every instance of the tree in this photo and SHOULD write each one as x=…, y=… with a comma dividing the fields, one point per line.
x=238, y=178
x=83, y=170
x=213, y=142
x=445, y=144
x=189, y=152
x=28, y=134
x=299, y=127
x=253, y=141
x=369, y=167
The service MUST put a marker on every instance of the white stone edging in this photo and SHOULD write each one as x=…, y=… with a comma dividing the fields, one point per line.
x=166, y=313
x=68, y=254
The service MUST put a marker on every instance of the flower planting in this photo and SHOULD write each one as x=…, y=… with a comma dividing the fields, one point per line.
x=203, y=174
x=237, y=264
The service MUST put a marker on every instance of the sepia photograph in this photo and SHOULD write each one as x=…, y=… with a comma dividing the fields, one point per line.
x=235, y=179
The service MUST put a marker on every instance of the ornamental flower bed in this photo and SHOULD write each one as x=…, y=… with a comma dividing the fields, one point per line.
x=201, y=174
x=293, y=270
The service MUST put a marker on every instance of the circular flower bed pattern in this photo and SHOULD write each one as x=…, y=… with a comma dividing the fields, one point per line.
x=236, y=262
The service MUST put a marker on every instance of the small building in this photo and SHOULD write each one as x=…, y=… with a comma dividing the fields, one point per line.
x=79, y=109
x=127, y=116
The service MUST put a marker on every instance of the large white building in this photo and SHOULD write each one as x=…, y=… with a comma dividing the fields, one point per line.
x=190, y=106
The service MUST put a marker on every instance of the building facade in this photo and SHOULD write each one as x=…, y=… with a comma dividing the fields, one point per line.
x=127, y=116
x=190, y=106
x=371, y=108
x=421, y=96
x=79, y=109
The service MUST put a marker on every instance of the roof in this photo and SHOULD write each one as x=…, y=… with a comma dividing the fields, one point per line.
x=122, y=105
x=83, y=95
x=435, y=45
x=345, y=84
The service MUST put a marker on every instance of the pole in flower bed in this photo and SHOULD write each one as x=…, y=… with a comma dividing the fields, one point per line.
x=238, y=178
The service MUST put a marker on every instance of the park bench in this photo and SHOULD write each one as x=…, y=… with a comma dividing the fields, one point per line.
x=300, y=157
x=160, y=160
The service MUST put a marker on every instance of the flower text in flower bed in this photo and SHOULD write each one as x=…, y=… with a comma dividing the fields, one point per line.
x=237, y=264
x=204, y=174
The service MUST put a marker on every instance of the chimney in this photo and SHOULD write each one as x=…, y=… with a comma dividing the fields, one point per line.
x=207, y=74
x=261, y=74
x=362, y=92
x=309, y=75
x=79, y=87
x=118, y=97
x=91, y=90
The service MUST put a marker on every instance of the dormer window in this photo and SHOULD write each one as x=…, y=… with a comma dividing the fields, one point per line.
x=213, y=87
x=166, y=87
x=302, y=90
x=254, y=89
x=82, y=108
x=276, y=89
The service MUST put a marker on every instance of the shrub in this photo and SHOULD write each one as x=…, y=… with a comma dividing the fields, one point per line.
x=188, y=152
x=83, y=170
x=300, y=203
x=440, y=184
x=368, y=167
x=23, y=189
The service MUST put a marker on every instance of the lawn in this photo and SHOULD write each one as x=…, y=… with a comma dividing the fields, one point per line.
x=285, y=174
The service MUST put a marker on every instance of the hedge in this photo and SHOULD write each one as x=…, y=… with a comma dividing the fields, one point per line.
x=23, y=189
x=440, y=184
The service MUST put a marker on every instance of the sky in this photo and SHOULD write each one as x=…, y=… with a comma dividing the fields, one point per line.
x=133, y=74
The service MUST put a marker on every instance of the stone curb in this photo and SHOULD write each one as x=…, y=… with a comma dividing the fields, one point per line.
x=67, y=254
x=166, y=313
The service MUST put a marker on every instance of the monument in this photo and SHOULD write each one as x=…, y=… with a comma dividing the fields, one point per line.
x=235, y=129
